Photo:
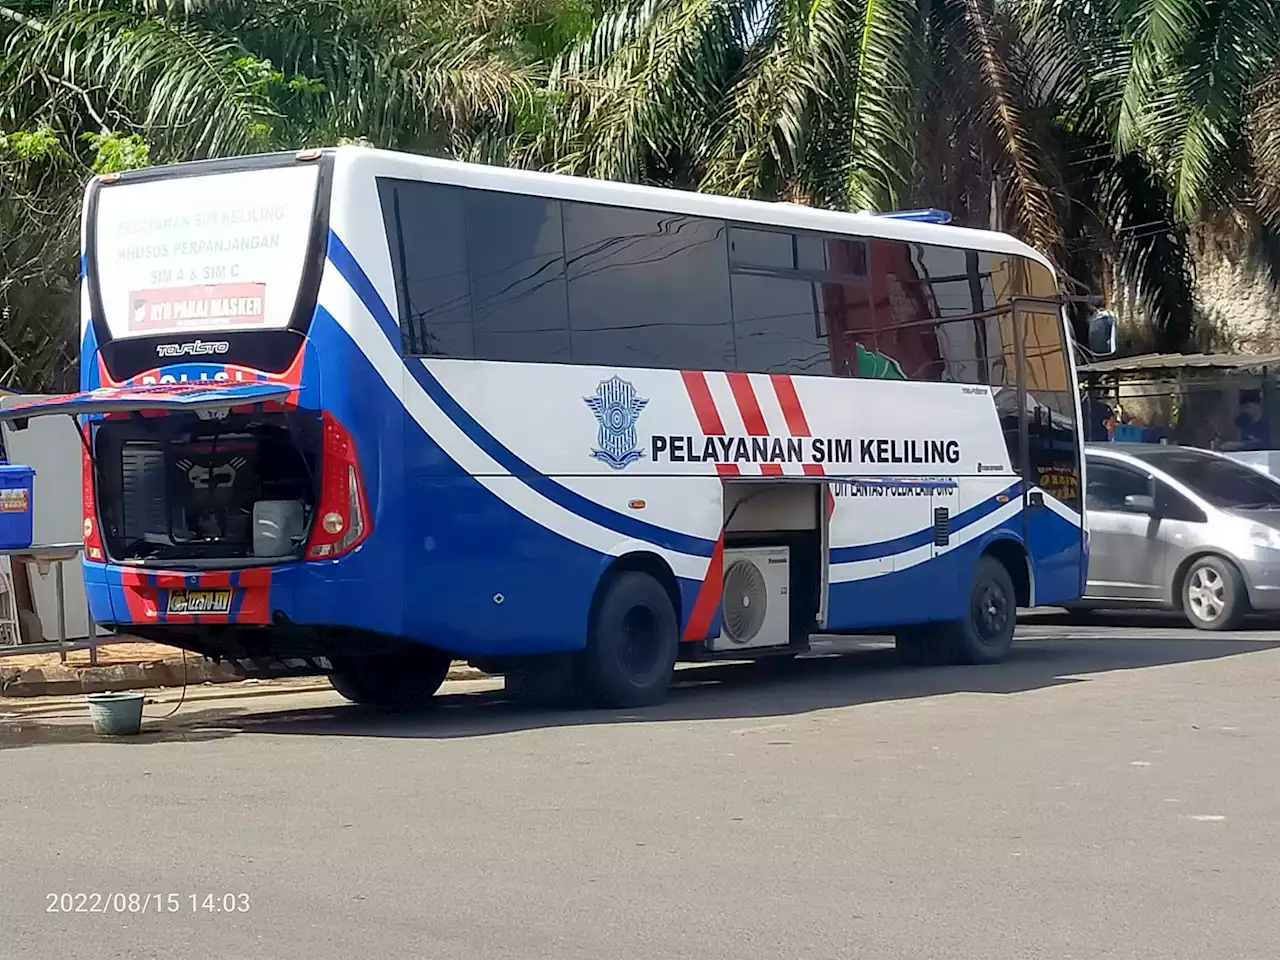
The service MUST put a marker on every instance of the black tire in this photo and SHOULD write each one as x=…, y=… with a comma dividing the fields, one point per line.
x=632, y=643
x=394, y=682
x=983, y=636
x=986, y=633
x=1214, y=595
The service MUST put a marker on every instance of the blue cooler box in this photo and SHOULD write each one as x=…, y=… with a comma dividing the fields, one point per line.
x=15, y=506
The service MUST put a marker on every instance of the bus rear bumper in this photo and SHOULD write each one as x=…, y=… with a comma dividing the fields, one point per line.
x=295, y=593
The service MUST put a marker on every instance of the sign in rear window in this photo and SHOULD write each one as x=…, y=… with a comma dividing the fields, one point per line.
x=217, y=252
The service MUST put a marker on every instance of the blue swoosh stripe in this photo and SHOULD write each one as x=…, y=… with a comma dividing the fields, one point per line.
x=237, y=598
x=152, y=580
x=888, y=548
x=575, y=503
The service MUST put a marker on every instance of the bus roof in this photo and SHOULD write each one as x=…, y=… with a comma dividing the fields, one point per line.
x=356, y=160
x=616, y=193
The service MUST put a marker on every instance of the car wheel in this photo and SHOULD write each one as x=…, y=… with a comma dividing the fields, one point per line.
x=396, y=682
x=632, y=644
x=1213, y=595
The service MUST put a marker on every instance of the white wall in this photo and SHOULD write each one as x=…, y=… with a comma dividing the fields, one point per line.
x=51, y=446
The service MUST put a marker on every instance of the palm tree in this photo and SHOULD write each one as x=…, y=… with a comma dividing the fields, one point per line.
x=1099, y=132
x=105, y=84
x=848, y=103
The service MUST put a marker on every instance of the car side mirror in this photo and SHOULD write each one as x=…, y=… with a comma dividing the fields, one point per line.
x=1140, y=503
x=1102, y=333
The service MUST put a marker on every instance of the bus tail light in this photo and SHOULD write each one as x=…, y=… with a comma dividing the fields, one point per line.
x=342, y=520
x=92, y=536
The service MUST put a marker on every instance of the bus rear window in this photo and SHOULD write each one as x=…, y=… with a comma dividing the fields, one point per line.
x=222, y=251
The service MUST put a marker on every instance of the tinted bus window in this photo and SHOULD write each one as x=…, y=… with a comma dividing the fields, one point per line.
x=847, y=304
x=515, y=245
x=647, y=289
x=926, y=320
x=753, y=249
x=778, y=325
x=794, y=297
x=427, y=238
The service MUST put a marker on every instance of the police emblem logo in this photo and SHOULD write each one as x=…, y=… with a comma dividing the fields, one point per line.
x=617, y=407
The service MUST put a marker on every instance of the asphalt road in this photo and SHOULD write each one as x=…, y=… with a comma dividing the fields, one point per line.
x=1107, y=793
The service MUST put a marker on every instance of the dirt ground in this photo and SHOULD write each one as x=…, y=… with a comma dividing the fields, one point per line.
x=108, y=654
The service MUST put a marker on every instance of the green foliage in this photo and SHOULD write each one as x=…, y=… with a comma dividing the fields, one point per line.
x=113, y=153
x=32, y=146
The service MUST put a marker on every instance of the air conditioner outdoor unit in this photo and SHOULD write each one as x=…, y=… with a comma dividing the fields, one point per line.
x=756, y=605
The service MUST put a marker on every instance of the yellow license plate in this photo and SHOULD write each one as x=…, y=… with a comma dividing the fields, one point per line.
x=199, y=601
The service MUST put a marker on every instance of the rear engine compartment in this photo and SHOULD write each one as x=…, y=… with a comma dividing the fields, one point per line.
x=183, y=489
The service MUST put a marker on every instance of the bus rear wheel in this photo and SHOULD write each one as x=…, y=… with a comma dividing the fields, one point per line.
x=632, y=644
x=396, y=681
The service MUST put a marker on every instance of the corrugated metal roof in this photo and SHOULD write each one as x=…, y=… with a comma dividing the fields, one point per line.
x=1172, y=362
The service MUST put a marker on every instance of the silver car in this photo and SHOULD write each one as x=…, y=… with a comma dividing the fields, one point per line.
x=1181, y=528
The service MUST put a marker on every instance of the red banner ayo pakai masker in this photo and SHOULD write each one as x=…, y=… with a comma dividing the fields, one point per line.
x=203, y=306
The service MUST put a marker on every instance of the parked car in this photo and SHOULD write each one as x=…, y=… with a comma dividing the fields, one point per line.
x=1184, y=529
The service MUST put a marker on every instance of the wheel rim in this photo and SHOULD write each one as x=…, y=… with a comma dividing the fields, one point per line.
x=1207, y=593
x=641, y=642
x=990, y=613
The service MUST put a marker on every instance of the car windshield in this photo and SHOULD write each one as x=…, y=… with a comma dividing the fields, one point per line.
x=1221, y=481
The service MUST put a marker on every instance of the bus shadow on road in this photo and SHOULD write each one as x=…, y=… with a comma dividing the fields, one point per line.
x=840, y=673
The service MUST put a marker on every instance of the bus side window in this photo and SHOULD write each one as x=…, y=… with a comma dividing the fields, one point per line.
x=647, y=289
x=778, y=325
x=791, y=290
x=427, y=239
x=515, y=250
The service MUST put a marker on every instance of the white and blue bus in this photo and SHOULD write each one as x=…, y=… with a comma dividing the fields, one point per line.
x=377, y=412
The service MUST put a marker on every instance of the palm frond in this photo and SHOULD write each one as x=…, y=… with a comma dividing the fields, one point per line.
x=1264, y=145
x=178, y=82
x=883, y=100
x=643, y=80
x=770, y=109
x=1149, y=246
x=1156, y=31
x=1030, y=194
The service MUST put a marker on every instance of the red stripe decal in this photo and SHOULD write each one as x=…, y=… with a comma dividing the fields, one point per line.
x=793, y=413
x=704, y=607
x=255, y=577
x=789, y=401
x=137, y=597
x=704, y=407
x=748, y=406
x=143, y=598
x=771, y=469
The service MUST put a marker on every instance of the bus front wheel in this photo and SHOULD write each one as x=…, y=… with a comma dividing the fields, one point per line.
x=632, y=644
x=398, y=681
x=983, y=635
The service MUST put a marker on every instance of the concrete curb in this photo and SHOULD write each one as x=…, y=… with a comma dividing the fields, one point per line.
x=60, y=681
